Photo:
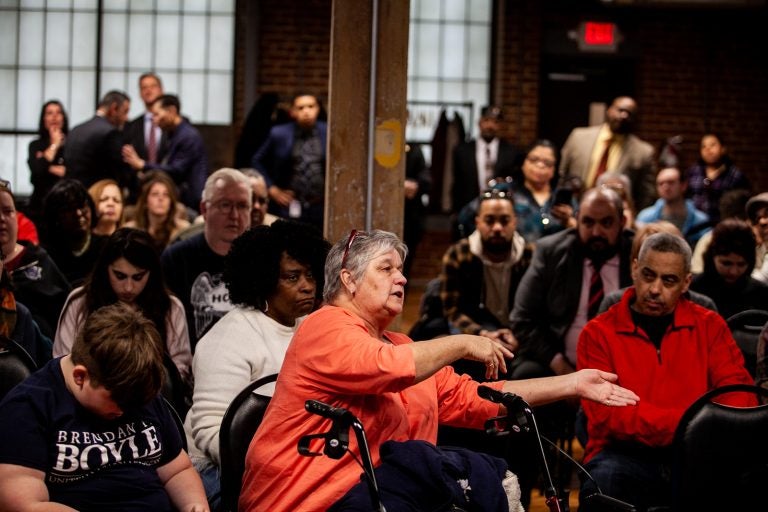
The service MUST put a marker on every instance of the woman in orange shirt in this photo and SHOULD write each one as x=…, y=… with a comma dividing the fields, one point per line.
x=344, y=355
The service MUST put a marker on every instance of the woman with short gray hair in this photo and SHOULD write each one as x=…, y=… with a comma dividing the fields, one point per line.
x=344, y=355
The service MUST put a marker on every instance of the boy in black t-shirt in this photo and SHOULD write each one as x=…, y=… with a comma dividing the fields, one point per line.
x=90, y=431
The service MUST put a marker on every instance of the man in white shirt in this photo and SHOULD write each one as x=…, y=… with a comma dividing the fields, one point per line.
x=475, y=162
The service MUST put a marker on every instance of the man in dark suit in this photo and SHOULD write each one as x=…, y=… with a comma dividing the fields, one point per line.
x=292, y=160
x=138, y=132
x=93, y=149
x=145, y=136
x=186, y=160
x=552, y=303
x=477, y=161
x=555, y=300
x=612, y=148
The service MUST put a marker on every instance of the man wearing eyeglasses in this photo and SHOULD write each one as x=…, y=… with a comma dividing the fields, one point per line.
x=193, y=267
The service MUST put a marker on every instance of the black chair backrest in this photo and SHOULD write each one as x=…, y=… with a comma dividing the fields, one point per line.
x=721, y=454
x=15, y=365
x=745, y=327
x=178, y=421
x=240, y=421
x=174, y=389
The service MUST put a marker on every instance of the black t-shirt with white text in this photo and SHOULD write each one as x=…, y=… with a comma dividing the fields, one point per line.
x=90, y=463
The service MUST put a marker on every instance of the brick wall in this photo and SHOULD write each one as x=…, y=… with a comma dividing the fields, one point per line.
x=294, y=46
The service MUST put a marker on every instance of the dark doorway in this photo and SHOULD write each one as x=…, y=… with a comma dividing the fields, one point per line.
x=569, y=84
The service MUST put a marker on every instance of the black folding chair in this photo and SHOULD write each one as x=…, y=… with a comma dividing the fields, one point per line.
x=745, y=327
x=239, y=424
x=15, y=365
x=721, y=454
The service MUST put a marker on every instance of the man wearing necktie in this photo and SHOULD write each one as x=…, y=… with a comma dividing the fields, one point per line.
x=559, y=293
x=612, y=147
x=146, y=137
x=570, y=273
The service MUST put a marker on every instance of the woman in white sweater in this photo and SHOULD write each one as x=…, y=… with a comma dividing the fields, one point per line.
x=128, y=271
x=274, y=275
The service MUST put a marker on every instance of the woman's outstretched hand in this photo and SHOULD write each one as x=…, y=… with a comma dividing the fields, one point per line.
x=600, y=386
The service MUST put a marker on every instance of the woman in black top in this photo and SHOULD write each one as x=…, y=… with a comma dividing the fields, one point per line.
x=728, y=263
x=46, y=153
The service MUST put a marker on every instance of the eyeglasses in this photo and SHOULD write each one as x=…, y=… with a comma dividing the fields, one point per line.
x=350, y=240
x=543, y=161
x=500, y=183
x=495, y=193
x=228, y=206
x=260, y=200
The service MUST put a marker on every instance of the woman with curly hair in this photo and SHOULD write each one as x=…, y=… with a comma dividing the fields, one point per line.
x=69, y=218
x=728, y=263
x=156, y=210
x=108, y=199
x=128, y=271
x=275, y=278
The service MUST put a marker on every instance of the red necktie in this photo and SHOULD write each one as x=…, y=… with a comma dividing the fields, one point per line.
x=152, y=145
x=595, y=290
x=602, y=166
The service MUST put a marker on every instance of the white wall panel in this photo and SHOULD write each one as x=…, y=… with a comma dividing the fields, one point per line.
x=140, y=41
x=82, y=103
x=58, y=44
x=30, y=42
x=9, y=26
x=114, y=38
x=221, y=43
x=7, y=100
x=30, y=98
x=84, y=39
x=219, y=99
x=452, y=55
x=192, y=96
x=167, y=40
x=193, y=37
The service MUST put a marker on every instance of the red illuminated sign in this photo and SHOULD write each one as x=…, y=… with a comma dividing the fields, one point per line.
x=599, y=34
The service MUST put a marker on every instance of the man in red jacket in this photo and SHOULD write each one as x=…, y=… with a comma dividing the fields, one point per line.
x=670, y=352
